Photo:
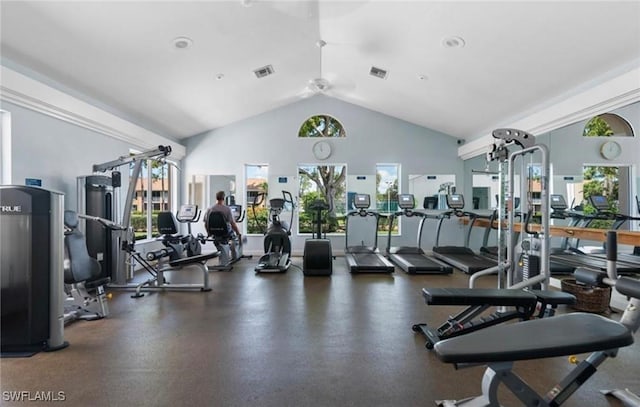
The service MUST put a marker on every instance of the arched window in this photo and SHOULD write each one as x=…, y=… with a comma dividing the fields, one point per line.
x=322, y=125
x=608, y=125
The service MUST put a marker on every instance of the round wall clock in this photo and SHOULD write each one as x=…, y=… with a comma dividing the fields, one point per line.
x=322, y=150
x=610, y=150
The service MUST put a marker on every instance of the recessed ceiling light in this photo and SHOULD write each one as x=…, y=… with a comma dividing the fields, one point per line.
x=453, y=42
x=182, y=42
x=220, y=76
x=423, y=77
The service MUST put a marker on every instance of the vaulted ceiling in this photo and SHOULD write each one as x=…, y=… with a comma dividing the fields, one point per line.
x=462, y=68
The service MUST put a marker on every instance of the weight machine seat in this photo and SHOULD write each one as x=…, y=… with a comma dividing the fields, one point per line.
x=201, y=258
x=218, y=228
x=478, y=296
x=168, y=229
x=541, y=338
x=81, y=267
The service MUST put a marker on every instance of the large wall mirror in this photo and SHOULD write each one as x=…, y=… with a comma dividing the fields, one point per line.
x=433, y=187
x=202, y=189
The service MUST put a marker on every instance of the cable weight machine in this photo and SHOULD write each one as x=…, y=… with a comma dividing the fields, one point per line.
x=98, y=197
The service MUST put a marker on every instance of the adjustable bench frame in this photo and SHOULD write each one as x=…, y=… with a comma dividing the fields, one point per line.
x=590, y=333
x=501, y=373
x=480, y=300
x=158, y=282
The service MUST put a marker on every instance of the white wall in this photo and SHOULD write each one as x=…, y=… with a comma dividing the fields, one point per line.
x=56, y=151
x=272, y=138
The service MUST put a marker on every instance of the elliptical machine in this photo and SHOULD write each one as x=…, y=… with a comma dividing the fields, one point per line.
x=318, y=258
x=277, y=245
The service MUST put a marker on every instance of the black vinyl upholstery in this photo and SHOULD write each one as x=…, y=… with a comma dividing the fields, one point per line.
x=81, y=267
x=217, y=227
x=167, y=224
x=541, y=338
x=477, y=296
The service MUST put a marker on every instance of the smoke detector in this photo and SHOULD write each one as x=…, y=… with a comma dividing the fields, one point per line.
x=182, y=42
x=453, y=42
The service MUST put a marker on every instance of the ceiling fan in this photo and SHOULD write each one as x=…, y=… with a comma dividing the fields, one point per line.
x=319, y=84
x=322, y=84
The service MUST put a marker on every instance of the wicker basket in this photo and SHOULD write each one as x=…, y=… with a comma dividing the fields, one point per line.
x=588, y=299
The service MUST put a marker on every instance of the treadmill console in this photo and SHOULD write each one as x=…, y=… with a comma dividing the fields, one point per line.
x=430, y=202
x=558, y=202
x=406, y=201
x=187, y=213
x=236, y=211
x=599, y=202
x=362, y=201
x=455, y=201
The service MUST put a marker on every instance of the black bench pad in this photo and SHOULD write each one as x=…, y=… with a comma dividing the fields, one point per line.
x=477, y=296
x=553, y=297
x=541, y=338
x=193, y=259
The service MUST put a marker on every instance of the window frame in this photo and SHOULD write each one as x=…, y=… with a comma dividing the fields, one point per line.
x=249, y=209
x=142, y=194
x=339, y=214
x=398, y=191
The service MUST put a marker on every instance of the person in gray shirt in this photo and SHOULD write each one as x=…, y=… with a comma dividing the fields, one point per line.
x=226, y=213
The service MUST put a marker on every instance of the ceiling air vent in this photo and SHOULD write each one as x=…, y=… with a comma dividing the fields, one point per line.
x=378, y=72
x=264, y=71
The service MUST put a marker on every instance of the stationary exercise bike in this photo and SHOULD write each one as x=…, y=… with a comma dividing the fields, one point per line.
x=226, y=241
x=277, y=245
x=318, y=259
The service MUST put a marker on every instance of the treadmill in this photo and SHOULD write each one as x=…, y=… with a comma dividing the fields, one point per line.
x=412, y=259
x=364, y=258
x=573, y=257
x=460, y=257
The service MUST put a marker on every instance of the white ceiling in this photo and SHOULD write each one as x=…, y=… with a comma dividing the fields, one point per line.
x=519, y=56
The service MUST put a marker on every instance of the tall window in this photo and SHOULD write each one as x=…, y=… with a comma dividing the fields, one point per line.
x=387, y=179
x=155, y=192
x=326, y=183
x=601, y=181
x=256, y=183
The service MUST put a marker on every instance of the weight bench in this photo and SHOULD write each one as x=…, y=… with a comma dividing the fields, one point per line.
x=478, y=300
x=170, y=258
x=165, y=263
x=500, y=346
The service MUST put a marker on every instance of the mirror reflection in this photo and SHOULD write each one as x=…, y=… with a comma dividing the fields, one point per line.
x=433, y=187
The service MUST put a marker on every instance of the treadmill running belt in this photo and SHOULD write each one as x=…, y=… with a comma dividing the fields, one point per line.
x=463, y=259
x=368, y=260
x=416, y=263
x=373, y=262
